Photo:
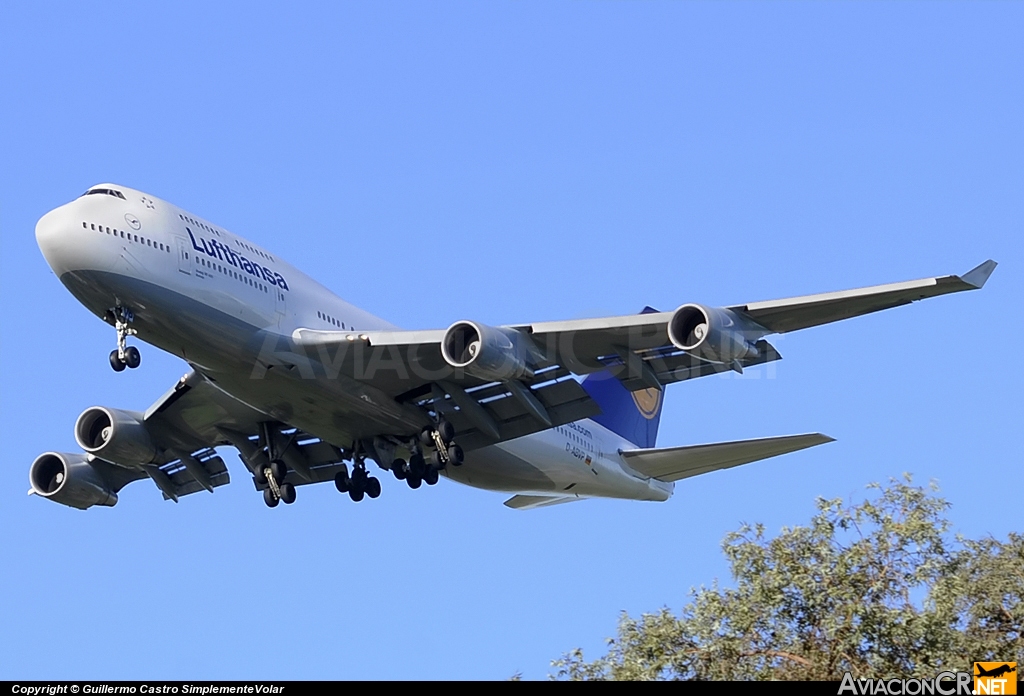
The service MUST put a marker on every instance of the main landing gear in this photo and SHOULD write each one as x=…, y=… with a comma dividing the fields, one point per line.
x=125, y=355
x=277, y=489
x=418, y=470
x=273, y=475
x=359, y=484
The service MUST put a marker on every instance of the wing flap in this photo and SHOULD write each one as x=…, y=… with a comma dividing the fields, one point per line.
x=675, y=463
x=564, y=401
x=184, y=483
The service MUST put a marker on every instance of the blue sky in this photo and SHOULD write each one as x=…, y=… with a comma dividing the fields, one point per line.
x=506, y=162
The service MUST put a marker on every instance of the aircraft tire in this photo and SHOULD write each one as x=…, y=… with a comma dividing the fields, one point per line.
x=417, y=466
x=132, y=357
x=279, y=469
x=398, y=469
x=430, y=478
x=373, y=487
x=341, y=481
x=269, y=498
x=455, y=455
x=260, y=476
x=446, y=430
x=356, y=494
x=115, y=362
x=413, y=481
x=435, y=460
x=287, y=493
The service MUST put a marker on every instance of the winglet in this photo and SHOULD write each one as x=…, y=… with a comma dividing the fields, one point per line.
x=979, y=274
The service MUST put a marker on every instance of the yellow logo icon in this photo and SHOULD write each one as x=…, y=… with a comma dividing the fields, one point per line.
x=648, y=401
x=995, y=678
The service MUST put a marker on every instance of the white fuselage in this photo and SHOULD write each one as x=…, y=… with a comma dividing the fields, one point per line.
x=215, y=299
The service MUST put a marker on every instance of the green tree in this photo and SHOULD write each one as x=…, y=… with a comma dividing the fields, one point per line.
x=878, y=589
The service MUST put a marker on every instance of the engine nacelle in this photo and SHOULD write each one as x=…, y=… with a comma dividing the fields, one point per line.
x=116, y=436
x=713, y=333
x=488, y=352
x=70, y=479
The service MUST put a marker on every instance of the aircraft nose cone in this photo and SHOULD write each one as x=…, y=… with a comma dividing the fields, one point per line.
x=52, y=237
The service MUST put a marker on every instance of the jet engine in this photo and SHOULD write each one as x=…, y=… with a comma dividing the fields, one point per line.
x=115, y=436
x=70, y=479
x=487, y=352
x=713, y=333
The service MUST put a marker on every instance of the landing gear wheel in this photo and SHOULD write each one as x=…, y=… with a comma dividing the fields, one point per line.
x=455, y=455
x=115, y=362
x=426, y=437
x=341, y=481
x=132, y=358
x=287, y=493
x=279, y=469
x=358, y=479
x=436, y=461
x=446, y=430
x=372, y=487
x=413, y=481
x=398, y=469
x=430, y=478
x=356, y=494
x=260, y=476
x=269, y=498
x=417, y=466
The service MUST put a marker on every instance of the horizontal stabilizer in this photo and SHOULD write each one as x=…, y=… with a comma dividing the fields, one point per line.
x=530, y=502
x=675, y=463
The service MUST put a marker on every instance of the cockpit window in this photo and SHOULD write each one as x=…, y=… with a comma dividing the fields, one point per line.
x=109, y=192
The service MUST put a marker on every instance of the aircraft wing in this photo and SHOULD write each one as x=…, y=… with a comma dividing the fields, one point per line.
x=409, y=366
x=675, y=463
x=195, y=416
x=780, y=316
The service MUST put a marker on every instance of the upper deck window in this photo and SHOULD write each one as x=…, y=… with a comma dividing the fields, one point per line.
x=109, y=192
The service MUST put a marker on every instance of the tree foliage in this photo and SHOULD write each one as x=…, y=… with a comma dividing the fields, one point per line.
x=878, y=589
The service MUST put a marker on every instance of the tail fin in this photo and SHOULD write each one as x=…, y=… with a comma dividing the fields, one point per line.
x=633, y=415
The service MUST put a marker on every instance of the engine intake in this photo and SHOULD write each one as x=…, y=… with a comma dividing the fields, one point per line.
x=116, y=436
x=70, y=479
x=713, y=333
x=487, y=352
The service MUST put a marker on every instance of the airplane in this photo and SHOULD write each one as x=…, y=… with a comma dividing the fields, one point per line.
x=996, y=672
x=308, y=388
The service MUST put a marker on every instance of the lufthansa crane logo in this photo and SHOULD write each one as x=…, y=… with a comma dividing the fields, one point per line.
x=648, y=402
x=132, y=221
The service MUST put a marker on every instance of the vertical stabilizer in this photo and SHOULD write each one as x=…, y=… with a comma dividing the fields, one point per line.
x=633, y=415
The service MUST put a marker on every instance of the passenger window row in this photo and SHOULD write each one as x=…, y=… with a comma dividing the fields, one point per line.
x=241, y=277
x=130, y=236
x=215, y=231
x=203, y=225
x=253, y=250
x=332, y=320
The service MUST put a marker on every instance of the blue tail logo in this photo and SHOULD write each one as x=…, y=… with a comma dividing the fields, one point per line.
x=632, y=415
x=648, y=401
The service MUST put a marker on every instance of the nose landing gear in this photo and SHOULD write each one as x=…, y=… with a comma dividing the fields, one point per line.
x=125, y=355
